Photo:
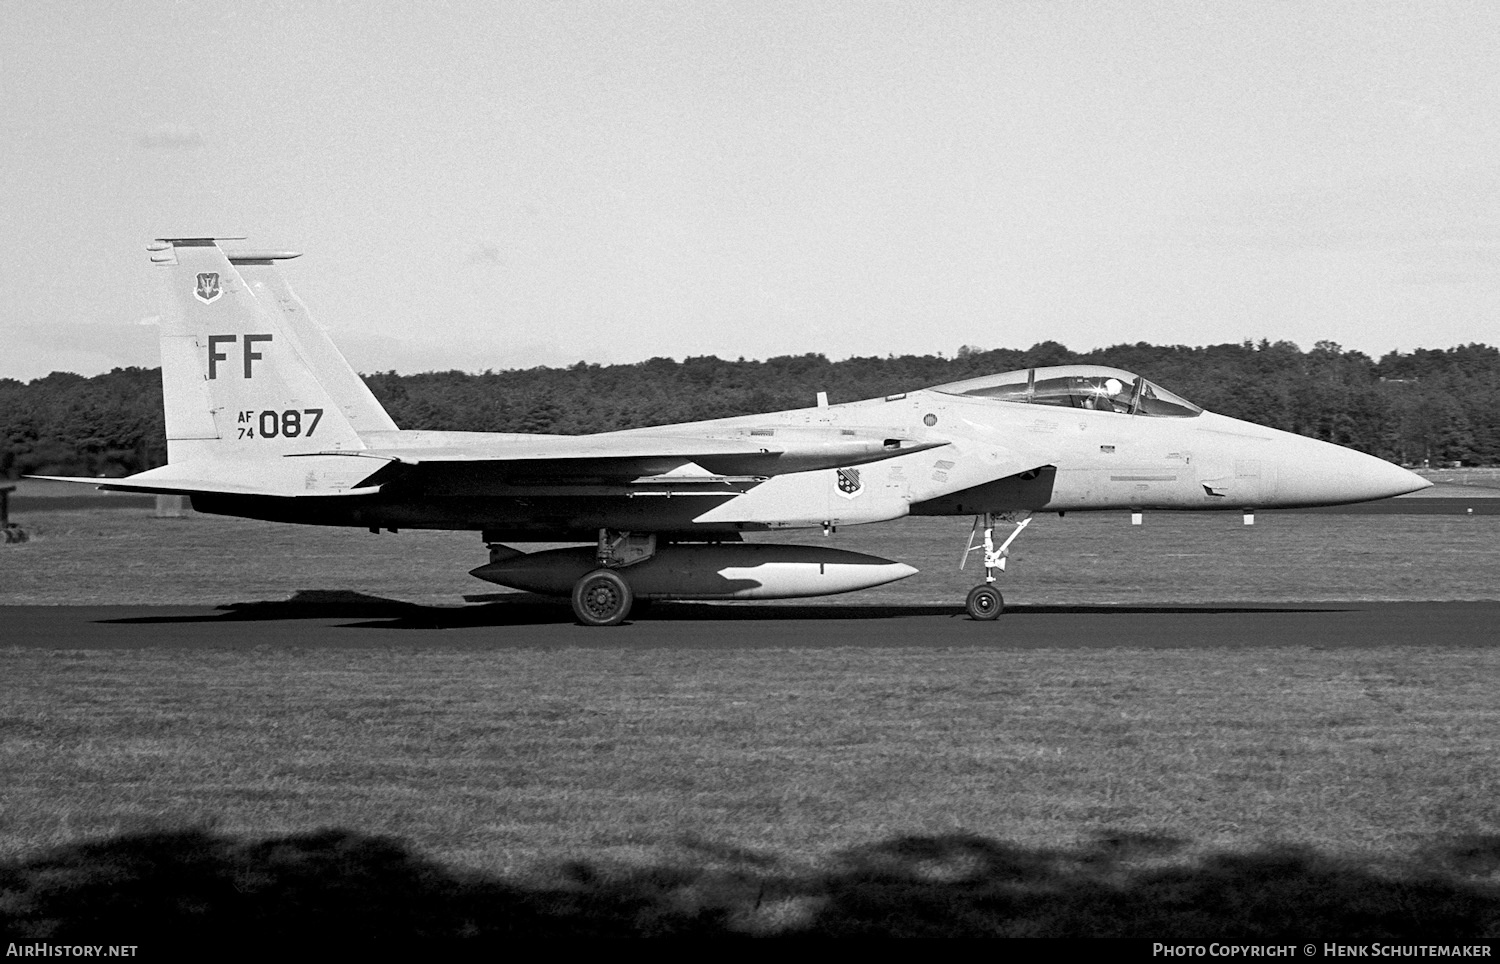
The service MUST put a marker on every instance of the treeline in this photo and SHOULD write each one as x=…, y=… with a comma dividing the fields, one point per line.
x=1432, y=405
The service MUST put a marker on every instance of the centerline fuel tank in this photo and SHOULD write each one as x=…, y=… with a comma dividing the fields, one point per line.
x=711, y=571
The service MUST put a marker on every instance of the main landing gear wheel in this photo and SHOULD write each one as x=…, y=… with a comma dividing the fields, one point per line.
x=984, y=602
x=602, y=598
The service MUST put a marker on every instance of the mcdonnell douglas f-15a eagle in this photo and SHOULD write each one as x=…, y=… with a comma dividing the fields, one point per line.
x=266, y=420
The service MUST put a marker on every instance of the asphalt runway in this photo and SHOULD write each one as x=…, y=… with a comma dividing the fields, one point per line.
x=352, y=620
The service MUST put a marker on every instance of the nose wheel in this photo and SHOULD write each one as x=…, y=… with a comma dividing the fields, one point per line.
x=985, y=602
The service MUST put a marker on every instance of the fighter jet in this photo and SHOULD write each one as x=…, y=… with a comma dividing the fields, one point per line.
x=266, y=420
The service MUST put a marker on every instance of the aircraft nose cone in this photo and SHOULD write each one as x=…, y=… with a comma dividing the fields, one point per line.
x=1393, y=480
x=1336, y=475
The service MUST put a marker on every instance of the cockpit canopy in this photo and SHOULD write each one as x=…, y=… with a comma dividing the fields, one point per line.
x=1077, y=386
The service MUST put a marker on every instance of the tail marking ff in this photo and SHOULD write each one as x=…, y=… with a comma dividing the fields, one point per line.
x=246, y=374
x=251, y=355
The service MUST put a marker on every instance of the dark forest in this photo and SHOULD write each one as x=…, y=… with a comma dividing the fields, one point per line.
x=1433, y=406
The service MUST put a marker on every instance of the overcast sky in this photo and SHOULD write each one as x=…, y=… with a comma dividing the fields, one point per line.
x=495, y=185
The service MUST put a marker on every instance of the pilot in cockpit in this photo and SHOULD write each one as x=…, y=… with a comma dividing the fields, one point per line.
x=1078, y=386
x=1108, y=395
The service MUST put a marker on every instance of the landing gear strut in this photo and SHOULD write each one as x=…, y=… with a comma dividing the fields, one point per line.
x=985, y=601
x=603, y=597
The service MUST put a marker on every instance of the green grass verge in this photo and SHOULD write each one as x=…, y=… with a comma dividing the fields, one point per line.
x=128, y=556
x=1260, y=793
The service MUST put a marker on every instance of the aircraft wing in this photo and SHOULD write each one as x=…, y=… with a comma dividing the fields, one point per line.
x=625, y=456
x=564, y=461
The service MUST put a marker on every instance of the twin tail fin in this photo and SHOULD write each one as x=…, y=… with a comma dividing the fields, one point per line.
x=246, y=374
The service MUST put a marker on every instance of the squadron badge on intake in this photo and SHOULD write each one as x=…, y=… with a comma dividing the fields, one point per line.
x=849, y=483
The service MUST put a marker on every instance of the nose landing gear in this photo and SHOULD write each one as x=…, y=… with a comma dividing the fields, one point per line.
x=985, y=601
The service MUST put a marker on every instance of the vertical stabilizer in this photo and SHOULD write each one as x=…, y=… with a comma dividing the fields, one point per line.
x=238, y=379
x=349, y=391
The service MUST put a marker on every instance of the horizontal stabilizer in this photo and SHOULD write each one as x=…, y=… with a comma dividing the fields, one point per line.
x=197, y=487
x=293, y=478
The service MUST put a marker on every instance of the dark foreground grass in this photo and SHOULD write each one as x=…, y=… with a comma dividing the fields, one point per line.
x=1255, y=794
x=197, y=886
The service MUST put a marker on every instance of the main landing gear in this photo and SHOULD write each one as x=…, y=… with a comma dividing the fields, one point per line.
x=603, y=596
x=985, y=601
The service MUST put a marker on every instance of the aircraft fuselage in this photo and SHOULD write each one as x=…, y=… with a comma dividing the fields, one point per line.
x=998, y=456
x=265, y=419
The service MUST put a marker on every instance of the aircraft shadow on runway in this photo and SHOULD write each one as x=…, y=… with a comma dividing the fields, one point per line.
x=522, y=609
x=174, y=885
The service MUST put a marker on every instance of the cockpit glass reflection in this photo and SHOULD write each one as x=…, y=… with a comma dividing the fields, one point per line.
x=1078, y=386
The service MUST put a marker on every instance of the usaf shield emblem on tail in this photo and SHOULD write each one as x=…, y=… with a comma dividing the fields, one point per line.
x=849, y=483
x=208, y=289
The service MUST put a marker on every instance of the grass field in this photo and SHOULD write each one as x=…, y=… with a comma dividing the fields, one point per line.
x=1274, y=793
x=129, y=556
x=1488, y=477
x=1171, y=794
